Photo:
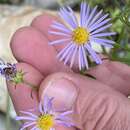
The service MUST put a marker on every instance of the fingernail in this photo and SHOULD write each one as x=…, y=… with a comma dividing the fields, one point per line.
x=64, y=92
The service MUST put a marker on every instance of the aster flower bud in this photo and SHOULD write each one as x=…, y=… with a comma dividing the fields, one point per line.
x=10, y=72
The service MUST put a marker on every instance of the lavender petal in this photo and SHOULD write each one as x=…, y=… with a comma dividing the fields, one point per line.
x=95, y=18
x=61, y=41
x=103, y=40
x=101, y=29
x=95, y=57
x=64, y=14
x=87, y=16
x=85, y=57
x=68, y=56
x=35, y=128
x=91, y=15
x=66, y=113
x=80, y=59
x=41, y=110
x=28, y=125
x=73, y=56
x=25, y=118
x=74, y=19
x=102, y=43
x=66, y=124
x=99, y=21
x=59, y=33
x=99, y=26
x=66, y=52
x=52, y=128
x=61, y=27
x=29, y=113
x=45, y=106
x=104, y=34
x=83, y=9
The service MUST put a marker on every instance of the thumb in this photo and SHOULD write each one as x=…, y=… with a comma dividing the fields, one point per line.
x=95, y=105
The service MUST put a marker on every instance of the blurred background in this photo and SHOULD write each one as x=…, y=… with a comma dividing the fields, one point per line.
x=17, y=13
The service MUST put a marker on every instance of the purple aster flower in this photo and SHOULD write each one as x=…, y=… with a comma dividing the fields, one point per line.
x=47, y=118
x=8, y=70
x=81, y=35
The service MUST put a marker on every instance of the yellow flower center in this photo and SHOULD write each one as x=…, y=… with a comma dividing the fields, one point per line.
x=45, y=122
x=80, y=36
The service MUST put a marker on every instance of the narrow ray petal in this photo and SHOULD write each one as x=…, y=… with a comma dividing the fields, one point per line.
x=73, y=56
x=83, y=9
x=66, y=52
x=64, y=118
x=99, y=21
x=80, y=59
x=95, y=18
x=46, y=100
x=49, y=105
x=91, y=15
x=104, y=34
x=41, y=110
x=100, y=26
x=59, y=33
x=66, y=113
x=67, y=124
x=69, y=55
x=101, y=29
x=73, y=16
x=102, y=43
x=61, y=41
x=34, y=128
x=87, y=15
x=25, y=118
x=95, y=57
x=60, y=27
x=29, y=113
x=63, y=50
x=103, y=40
x=65, y=15
x=52, y=129
x=28, y=125
x=85, y=57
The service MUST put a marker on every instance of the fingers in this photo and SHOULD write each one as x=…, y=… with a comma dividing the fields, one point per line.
x=43, y=23
x=30, y=46
x=114, y=74
x=95, y=105
x=45, y=27
x=21, y=95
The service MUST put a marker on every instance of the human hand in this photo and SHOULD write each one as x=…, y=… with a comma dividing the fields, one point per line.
x=100, y=104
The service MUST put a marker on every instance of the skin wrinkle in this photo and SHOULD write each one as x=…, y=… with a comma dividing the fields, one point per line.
x=119, y=118
x=98, y=116
x=91, y=102
x=119, y=124
x=107, y=115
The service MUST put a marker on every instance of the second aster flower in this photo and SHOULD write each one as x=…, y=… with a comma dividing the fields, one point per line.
x=47, y=118
x=81, y=35
x=10, y=72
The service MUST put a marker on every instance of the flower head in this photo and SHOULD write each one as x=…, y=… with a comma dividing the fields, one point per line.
x=10, y=72
x=46, y=119
x=81, y=35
